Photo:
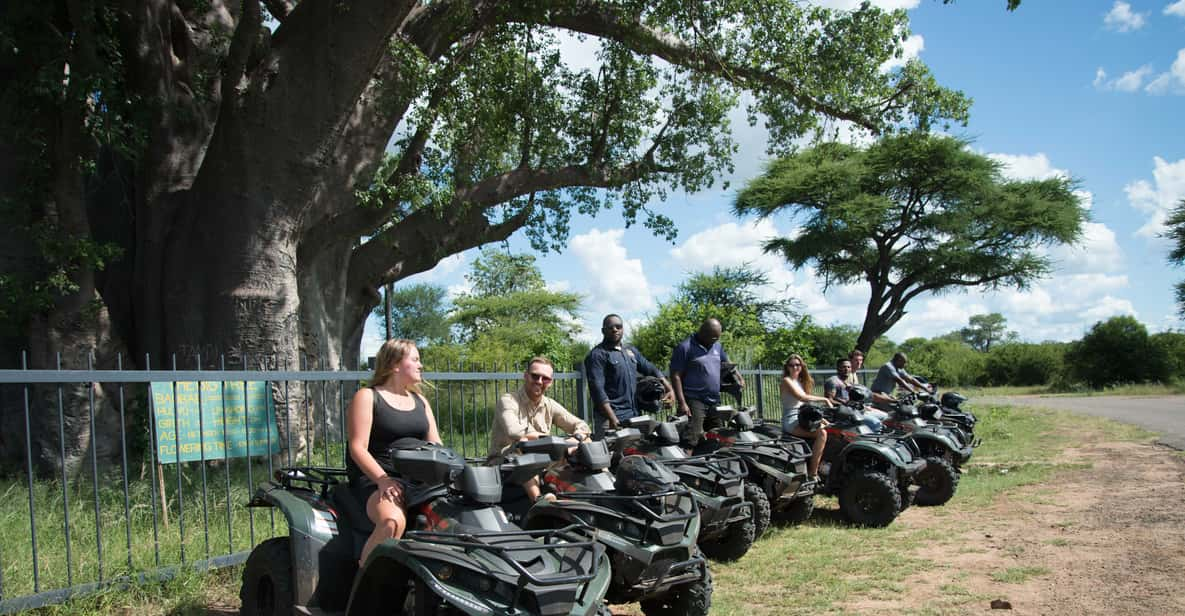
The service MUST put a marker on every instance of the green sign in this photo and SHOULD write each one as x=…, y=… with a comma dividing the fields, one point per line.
x=229, y=424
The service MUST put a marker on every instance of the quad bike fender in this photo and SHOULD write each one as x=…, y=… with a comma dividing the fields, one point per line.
x=385, y=576
x=858, y=451
x=787, y=484
x=942, y=444
x=309, y=530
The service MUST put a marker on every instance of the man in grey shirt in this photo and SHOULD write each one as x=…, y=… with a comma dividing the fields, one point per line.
x=890, y=376
x=835, y=388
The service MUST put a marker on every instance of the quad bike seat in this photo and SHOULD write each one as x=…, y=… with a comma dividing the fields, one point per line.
x=349, y=508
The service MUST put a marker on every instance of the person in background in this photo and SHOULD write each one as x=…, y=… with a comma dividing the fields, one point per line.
x=890, y=376
x=835, y=388
x=795, y=389
x=695, y=376
x=857, y=359
x=390, y=409
x=612, y=368
x=527, y=414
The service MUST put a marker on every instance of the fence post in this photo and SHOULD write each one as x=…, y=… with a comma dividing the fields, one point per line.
x=581, y=408
x=760, y=396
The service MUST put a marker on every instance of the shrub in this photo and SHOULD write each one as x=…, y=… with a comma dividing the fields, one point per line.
x=1023, y=363
x=943, y=361
x=1115, y=351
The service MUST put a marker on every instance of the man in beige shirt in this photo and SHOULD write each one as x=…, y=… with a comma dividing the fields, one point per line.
x=528, y=414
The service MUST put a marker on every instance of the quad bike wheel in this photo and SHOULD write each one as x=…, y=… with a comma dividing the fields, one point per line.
x=870, y=498
x=734, y=544
x=937, y=482
x=756, y=497
x=691, y=599
x=267, y=579
x=797, y=512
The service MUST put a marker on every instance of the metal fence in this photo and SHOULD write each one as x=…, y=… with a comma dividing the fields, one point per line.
x=113, y=512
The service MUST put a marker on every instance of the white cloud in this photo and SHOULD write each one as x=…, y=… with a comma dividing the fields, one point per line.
x=1107, y=307
x=1096, y=251
x=443, y=268
x=1156, y=198
x=1131, y=80
x=1177, y=8
x=1172, y=81
x=615, y=283
x=910, y=48
x=1122, y=19
x=1022, y=167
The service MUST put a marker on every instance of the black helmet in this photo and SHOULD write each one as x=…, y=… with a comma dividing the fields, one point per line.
x=809, y=417
x=952, y=400
x=859, y=393
x=730, y=380
x=649, y=393
x=638, y=475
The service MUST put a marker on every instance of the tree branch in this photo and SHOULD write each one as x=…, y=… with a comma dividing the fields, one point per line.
x=241, y=43
x=608, y=21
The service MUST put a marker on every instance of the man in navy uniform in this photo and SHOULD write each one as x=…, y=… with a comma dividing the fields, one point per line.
x=612, y=368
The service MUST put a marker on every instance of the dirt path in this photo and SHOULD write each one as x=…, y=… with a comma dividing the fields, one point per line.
x=1108, y=538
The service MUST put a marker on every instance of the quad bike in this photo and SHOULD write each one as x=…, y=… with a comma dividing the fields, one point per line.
x=717, y=482
x=461, y=556
x=945, y=447
x=646, y=520
x=868, y=469
x=776, y=466
x=951, y=411
x=649, y=400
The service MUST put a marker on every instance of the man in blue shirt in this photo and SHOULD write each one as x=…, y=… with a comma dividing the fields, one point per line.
x=695, y=375
x=612, y=369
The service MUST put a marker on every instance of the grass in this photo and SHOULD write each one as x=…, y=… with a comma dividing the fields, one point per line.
x=820, y=566
x=1016, y=575
x=1131, y=389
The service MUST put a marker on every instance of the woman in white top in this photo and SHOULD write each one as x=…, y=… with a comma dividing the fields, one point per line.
x=795, y=388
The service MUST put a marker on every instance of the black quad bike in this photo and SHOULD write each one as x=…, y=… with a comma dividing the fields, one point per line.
x=868, y=469
x=461, y=556
x=951, y=411
x=945, y=447
x=717, y=482
x=645, y=518
x=776, y=466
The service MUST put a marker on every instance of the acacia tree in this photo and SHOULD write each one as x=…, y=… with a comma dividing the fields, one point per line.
x=240, y=177
x=984, y=329
x=912, y=213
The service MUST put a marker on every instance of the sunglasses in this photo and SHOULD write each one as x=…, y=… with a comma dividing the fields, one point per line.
x=542, y=378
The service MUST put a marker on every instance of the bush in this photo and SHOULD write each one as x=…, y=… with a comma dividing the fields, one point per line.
x=943, y=361
x=1169, y=347
x=1116, y=351
x=1023, y=363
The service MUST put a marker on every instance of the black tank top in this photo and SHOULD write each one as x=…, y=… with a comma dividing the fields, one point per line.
x=387, y=425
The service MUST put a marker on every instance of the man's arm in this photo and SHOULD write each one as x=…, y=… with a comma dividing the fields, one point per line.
x=678, y=365
x=831, y=388
x=568, y=422
x=594, y=370
x=508, y=429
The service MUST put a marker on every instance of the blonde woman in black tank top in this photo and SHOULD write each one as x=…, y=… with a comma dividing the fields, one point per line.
x=391, y=409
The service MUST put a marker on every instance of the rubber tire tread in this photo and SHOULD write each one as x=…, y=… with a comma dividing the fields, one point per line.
x=947, y=472
x=734, y=544
x=798, y=512
x=870, y=481
x=761, y=508
x=273, y=558
x=691, y=599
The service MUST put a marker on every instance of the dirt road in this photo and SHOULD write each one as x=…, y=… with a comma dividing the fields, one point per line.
x=1105, y=538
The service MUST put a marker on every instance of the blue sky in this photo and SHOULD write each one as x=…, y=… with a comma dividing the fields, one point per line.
x=1090, y=89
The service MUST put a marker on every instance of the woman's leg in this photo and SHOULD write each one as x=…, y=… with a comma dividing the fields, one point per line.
x=389, y=522
x=820, y=441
